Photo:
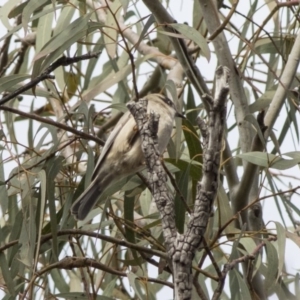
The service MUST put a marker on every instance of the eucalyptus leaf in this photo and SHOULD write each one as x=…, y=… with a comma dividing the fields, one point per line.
x=10, y=81
x=195, y=36
x=80, y=296
x=272, y=265
x=268, y=160
x=7, y=274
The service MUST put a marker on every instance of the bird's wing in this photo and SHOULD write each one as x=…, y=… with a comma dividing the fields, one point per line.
x=110, y=141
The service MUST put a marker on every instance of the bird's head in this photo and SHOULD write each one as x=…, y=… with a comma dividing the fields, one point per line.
x=161, y=98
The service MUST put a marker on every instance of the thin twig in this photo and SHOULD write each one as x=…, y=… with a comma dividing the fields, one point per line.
x=53, y=123
x=128, y=50
x=225, y=22
x=62, y=61
x=229, y=266
x=69, y=263
x=40, y=161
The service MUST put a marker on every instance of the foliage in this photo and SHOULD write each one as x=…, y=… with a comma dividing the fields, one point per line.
x=52, y=132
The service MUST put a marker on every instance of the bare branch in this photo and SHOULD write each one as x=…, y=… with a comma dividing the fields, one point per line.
x=157, y=176
x=182, y=248
x=188, y=243
x=192, y=71
x=284, y=84
x=62, y=61
x=69, y=263
x=79, y=232
x=53, y=123
x=224, y=56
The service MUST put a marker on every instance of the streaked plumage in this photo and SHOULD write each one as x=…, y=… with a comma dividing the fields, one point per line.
x=122, y=154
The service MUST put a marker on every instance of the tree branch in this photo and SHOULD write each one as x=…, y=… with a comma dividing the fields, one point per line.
x=191, y=70
x=162, y=59
x=182, y=248
x=224, y=56
x=188, y=243
x=62, y=61
x=69, y=263
x=53, y=123
x=284, y=85
x=231, y=265
x=49, y=236
x=157, y=176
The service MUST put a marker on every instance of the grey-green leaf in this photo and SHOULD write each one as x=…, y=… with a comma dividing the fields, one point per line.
x=195, y=36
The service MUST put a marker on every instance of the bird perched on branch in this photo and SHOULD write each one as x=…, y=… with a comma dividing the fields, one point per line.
x=122, y=154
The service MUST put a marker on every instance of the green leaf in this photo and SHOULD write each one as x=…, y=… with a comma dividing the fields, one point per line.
x=118, y=106
x=18, y=27
x=28, y=10
x=195, y=36
x=92, y=63
x=198, y=18
x=27, y=237
x=43, y=34
x=135, y=285
x=52, y=130
x=110, y=287
x=193, y=141
x=80, y=296
x=65, y=38
x=281, y=242
x=138, y=261
x=109, y=81
x=17, y=10
x=195, y=169
x=59, y=280
x=129, y=202
x=10, y=81
x=64, y=19
x=272, y=265
x=170, y=86
x=3, y=189
x=244, y=290
x=89, y=166
x=290, y=120
x=53, y=166
x=246, y=24
x=262, y=102
x=145, y=202
x=297, y=286
x=191, y=108
x=182, y=179
x=248, y=244
x=7, y=274
x=234, y=285
x=268, y=160
x=252, y=120
x=41, y=205
x=14, y=235
x=59, y=43
x=10, y=123
x=111, y=27
x=225, y=210
x=273, y=44
x=149, y=22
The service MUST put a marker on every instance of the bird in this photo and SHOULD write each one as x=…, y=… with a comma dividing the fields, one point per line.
x=122, y=153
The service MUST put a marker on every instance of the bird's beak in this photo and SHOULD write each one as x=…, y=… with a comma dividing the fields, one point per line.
x=179, y=115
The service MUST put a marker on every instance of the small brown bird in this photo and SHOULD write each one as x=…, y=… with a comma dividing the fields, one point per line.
x=122, y=154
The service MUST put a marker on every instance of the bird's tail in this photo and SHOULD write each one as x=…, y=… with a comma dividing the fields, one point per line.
x=82, y=206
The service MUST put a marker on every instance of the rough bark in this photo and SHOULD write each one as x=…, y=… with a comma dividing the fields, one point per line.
x=181, y=248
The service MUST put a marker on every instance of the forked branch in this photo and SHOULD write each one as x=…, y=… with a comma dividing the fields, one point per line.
x=182, y=247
